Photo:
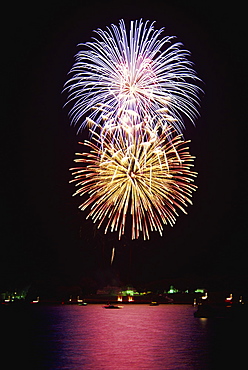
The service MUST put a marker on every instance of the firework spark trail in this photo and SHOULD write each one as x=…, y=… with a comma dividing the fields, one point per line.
x=112, y=255
x=148, y=179
x=119, y=73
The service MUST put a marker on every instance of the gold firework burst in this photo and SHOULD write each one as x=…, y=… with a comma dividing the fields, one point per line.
x=149, y=177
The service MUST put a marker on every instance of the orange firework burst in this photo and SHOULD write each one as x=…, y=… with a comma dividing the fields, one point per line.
x=148, y=177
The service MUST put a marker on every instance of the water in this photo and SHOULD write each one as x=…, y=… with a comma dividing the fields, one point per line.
x=135, y=337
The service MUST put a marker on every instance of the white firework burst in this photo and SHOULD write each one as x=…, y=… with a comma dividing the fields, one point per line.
x=139, y=72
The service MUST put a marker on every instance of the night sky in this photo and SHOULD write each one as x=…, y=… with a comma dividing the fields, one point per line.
x=44, y=237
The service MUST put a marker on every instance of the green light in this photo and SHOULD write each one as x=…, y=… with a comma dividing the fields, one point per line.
x=199, y=290
x=129, y=292
x=172, y=290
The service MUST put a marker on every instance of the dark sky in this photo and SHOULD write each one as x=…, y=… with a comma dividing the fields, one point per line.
x=44, y=235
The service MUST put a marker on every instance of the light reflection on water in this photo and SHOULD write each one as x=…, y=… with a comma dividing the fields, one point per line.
x=135, y=337
x=140, y=337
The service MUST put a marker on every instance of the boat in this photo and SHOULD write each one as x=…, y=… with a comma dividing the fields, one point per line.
x=154, y=304
x=82, y=303
x=112, y=306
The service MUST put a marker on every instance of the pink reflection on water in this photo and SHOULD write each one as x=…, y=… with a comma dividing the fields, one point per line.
x=137, y=337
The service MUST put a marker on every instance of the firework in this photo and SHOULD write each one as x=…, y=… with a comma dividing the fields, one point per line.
x=148, y=177
x=139, y=72
x=133, y=91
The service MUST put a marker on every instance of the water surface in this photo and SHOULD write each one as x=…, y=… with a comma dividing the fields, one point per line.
x=135, y=337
